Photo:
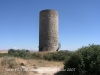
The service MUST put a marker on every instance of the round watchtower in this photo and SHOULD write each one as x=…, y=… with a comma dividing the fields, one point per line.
x=48, y=30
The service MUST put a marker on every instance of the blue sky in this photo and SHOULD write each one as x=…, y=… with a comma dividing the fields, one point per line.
x=79, y=23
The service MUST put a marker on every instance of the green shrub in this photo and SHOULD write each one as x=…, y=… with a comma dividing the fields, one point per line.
x=19, y=53
x=86, y=60
x=58, y=56
x=55, y=56
x=48, y=56
x=36, y=56
x=3, y=54
x=61, y=55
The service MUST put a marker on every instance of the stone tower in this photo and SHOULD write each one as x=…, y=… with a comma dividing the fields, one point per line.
x=48, y=30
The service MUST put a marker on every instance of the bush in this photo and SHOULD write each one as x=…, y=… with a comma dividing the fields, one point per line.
x=58, y=56
x=86, y=60
x=36, y=56
x=19, y=53
x=3, y=54
x=61, y=55
x=48, y=56
x=55, y=56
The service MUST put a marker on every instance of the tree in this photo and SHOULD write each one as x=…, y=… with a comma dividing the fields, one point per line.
x=86, y=60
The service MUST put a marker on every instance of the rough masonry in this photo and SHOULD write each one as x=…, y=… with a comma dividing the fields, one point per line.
x=48, y=30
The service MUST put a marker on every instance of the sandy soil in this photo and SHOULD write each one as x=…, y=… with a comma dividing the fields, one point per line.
x=44, y=70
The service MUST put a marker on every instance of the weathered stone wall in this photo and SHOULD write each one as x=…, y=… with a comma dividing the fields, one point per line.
x=48, y=30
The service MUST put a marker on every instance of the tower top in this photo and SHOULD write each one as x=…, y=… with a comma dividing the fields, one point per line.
x=48, y=10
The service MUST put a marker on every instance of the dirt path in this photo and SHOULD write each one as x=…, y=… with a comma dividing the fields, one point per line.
x=44, y=70
x=47, y=70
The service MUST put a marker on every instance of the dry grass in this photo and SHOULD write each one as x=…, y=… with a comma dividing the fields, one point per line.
x=31, y=63
x=43, y=63
x=10, y=63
